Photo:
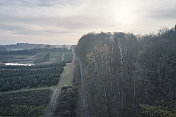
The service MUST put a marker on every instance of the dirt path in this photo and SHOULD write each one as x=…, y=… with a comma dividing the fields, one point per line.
x=65, y=80
x=30, y=89
x=52, y=103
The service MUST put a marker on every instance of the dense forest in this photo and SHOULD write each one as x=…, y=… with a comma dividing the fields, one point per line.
x=126, y=75
x=66, y=103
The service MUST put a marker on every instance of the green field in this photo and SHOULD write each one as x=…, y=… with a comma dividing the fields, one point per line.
x=24, y=103
x=14, y=78
x=66, y=76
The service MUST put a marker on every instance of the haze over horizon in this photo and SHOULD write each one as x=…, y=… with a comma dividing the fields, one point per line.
x=65, y=21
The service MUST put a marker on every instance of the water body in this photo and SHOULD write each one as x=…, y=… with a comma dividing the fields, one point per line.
x=19, y=64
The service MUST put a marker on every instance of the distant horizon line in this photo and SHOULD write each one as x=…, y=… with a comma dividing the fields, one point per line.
x=34, y=44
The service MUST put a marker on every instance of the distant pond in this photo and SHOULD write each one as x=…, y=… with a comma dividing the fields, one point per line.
x=19, y=64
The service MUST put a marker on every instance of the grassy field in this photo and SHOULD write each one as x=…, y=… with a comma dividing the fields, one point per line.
x=66, y=76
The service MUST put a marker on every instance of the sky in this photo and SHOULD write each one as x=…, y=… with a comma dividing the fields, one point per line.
x=65, y=21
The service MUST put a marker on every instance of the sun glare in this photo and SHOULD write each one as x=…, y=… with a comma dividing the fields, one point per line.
x=123, y=13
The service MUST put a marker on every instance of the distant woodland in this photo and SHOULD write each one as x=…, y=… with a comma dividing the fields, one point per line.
x=126, y=75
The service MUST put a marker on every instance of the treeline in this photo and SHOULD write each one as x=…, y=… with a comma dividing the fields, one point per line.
x=17, y=77
x=33, y=51
x=128, y=75
x=24, y=103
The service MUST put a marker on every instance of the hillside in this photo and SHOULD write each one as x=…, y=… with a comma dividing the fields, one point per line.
x=125, y=75
x=23, y=46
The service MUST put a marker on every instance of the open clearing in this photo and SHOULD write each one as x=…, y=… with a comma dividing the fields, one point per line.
x=65, y=80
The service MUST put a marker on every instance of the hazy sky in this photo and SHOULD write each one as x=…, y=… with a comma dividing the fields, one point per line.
x=65, y=21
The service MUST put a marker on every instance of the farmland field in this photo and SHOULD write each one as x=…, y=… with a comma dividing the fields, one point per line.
x=36, y=56
x=28, y=79
x=32, y=68
x=24, y=103
x=13, y=78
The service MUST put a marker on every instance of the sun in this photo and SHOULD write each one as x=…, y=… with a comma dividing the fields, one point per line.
x=123, y=13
